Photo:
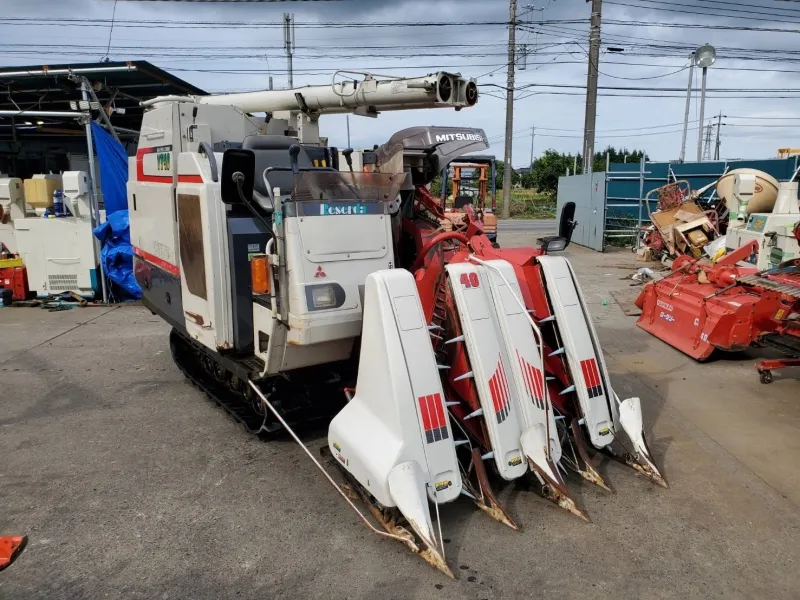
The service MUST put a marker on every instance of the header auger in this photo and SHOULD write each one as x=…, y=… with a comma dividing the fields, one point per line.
x=304, y=282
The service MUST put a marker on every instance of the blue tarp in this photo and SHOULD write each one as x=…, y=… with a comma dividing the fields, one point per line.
x=113, y=169
x=117, y=253
x=114, y=234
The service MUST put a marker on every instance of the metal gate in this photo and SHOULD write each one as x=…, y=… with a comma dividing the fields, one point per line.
x=588, y=192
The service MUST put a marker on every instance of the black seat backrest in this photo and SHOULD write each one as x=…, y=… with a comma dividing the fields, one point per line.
x=273, y=151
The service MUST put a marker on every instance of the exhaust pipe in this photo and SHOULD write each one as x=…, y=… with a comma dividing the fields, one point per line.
x=471, y=93
x=445, y=90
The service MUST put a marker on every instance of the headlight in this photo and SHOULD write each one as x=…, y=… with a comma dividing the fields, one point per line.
x=323, y=296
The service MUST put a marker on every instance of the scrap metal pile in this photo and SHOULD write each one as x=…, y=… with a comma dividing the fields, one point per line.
x=680, y=225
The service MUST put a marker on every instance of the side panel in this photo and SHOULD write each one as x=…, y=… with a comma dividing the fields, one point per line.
x=583, y=354
x=153, y=214
x=216, y=259
x=397, y=414
x=523, y=353
x=205, y=285
x=490, y=374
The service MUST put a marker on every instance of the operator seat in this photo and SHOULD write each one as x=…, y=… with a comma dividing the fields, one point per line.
x=273, y=151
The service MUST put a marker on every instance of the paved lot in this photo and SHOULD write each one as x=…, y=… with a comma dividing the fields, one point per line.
x=130, y=484
x=536, y=227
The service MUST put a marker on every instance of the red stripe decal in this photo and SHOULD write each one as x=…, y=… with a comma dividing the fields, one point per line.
x=507, y=394
x=159, y=262
x=501, y=391
x=524, y=366
x=508, y=389
x=501, y=388
x=430, y=399
x=493, y=391
x=526, y=370
x=423, y=409
x=190, y=179
x=593, y=373
x=537, y=382
x=597, y=376
x=534, y=384
x=585, y=371
x=437, y=400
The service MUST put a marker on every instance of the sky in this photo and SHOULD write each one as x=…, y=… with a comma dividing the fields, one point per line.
x=645, y=45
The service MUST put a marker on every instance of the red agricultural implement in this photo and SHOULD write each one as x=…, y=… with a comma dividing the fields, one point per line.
x=10, y=548
x=702, y=307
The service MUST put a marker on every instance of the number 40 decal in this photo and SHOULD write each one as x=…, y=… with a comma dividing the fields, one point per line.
x=470, y=280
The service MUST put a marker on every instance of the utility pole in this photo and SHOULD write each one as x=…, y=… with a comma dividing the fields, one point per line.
x=686, y=114
x=348, y=131
x=507, y=171
x=717, y=143
x=702, y=115
x=533, y=137
x=591, y=87
x=709, y=131
x=288, y=43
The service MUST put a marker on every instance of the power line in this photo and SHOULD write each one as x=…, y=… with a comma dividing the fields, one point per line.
x=138, y=23
x=111, y=29
x=660, y=7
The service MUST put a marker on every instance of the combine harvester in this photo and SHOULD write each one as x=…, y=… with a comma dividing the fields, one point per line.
x=303, y=282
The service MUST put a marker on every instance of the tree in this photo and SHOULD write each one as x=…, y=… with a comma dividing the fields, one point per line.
x=436, y=186
x=500, y=170
x=548, y=168
x=615, y=155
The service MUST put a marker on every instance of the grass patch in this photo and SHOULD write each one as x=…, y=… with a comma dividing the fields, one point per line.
x=528, y=204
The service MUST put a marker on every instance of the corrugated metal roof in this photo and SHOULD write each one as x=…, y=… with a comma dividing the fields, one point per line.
x=50, y=88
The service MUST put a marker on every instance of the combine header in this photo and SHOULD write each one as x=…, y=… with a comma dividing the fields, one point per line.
x=304, y=282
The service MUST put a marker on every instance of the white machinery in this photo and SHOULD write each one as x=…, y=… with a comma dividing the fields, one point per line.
x=296, y=275
x=12, y=206
x=59, y=253
x=758, y=214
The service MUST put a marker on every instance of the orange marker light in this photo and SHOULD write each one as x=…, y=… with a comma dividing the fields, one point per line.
x=259, y=273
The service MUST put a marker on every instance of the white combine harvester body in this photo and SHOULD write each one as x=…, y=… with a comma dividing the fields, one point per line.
x=283, y=274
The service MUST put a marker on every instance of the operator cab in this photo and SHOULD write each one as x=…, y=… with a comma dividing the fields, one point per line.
x=250, y=176
x=288, y=204
x=272, y=167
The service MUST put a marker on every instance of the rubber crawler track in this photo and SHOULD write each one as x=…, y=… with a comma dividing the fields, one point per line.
x=310, y=399
x=235, y=403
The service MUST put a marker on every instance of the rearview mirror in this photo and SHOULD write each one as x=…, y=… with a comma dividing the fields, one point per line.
x=238, y=173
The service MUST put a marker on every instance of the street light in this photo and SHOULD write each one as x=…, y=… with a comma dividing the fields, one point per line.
x=704, y=57
x=688, y=104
